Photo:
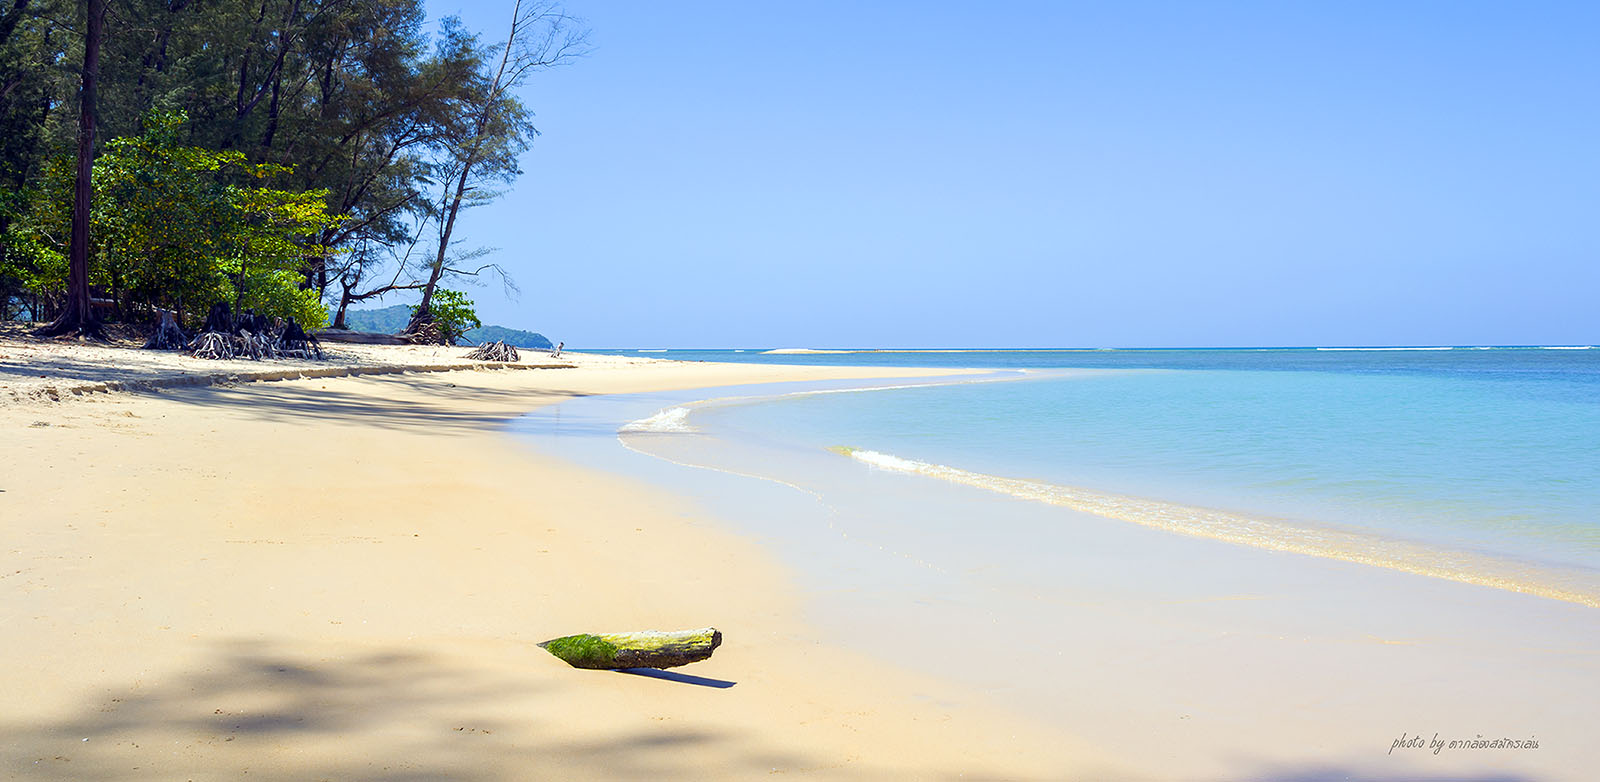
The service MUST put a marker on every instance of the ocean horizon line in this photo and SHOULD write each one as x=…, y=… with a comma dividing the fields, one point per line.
x=826, y=350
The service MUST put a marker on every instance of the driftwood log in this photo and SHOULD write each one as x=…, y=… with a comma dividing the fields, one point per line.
x=649, y=649
x=494, y=351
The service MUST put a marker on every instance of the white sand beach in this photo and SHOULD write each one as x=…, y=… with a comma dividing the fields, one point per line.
x=346, y=577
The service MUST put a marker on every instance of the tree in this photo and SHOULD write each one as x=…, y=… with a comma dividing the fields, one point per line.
x=383, y=156
x=399, y=130
x=179, y=227
x=453, y=315
x=77, y=314
x=491, y=129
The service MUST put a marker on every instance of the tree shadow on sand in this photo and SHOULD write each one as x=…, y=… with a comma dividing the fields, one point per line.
x=255, y=711
x=439, y=408
x=393, y=715
x=1336, y=773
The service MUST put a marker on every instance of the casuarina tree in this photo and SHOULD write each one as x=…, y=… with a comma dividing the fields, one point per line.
x=78, y=315
x=490, y=130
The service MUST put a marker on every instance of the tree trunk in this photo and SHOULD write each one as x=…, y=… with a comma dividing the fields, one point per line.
x=424, y=314
x=78, y=315
x=649, y=649
x=344, y=305
x=167, y=335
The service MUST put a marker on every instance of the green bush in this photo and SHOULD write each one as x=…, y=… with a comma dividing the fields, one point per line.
x=177, y=227
x=452, y=312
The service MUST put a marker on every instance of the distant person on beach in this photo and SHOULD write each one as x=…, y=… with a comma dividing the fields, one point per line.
x=557, y=352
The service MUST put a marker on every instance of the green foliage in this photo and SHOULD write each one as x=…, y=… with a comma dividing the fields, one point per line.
x=33, y=262
x=453, y=313
x=277, y=293
x=364, y=105
x=180, y=227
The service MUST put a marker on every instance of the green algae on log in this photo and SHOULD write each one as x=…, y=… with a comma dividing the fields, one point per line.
x=648, y=649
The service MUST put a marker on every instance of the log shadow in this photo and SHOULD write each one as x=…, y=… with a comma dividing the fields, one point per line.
x=681, y=678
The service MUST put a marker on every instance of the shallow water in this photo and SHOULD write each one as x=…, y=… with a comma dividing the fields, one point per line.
x=959, y=530
x=1495, y=452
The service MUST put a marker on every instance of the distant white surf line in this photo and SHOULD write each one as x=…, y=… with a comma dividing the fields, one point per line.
x=651, y=350
x=1566, y=347
x=807, y=351
x=1376, y=349
x=1279, y=535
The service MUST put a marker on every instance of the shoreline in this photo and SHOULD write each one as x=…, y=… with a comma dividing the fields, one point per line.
x=1242, y=662
x=1435, y=559
x=345, y=577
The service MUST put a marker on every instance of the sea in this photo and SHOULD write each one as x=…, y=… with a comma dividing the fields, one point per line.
x=1178, y=555
x=1478, y=464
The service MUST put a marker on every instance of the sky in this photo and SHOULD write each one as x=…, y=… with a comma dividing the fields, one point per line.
x=1056, y=174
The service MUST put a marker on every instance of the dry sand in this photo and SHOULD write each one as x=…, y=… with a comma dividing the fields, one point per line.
x=344, y=578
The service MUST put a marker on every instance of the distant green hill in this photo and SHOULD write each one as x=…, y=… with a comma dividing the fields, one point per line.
x=514, y=337
x=390, y=320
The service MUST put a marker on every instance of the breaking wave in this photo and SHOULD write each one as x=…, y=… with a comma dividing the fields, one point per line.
x=802, y=351
x=672, y=419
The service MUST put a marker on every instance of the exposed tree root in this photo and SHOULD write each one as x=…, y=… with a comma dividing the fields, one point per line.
x=494, y=351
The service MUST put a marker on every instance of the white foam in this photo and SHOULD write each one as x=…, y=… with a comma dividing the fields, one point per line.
x=1566, y=347
x=805, y=351
x=1379, y=349
x=890, y=462
x=651, y=350
x=672, y=419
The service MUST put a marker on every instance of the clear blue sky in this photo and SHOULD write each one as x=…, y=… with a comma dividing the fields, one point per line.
x=905, y=174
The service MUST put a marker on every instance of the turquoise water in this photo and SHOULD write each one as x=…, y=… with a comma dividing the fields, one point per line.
x=1095, y=538
x=1492, y=452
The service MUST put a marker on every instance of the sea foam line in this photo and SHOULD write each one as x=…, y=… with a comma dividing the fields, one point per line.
x=676, y=419
x=672, y=419
x=1576, y=586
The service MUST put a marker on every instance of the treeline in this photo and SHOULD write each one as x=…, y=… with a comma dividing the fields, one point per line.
x=288, y=156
